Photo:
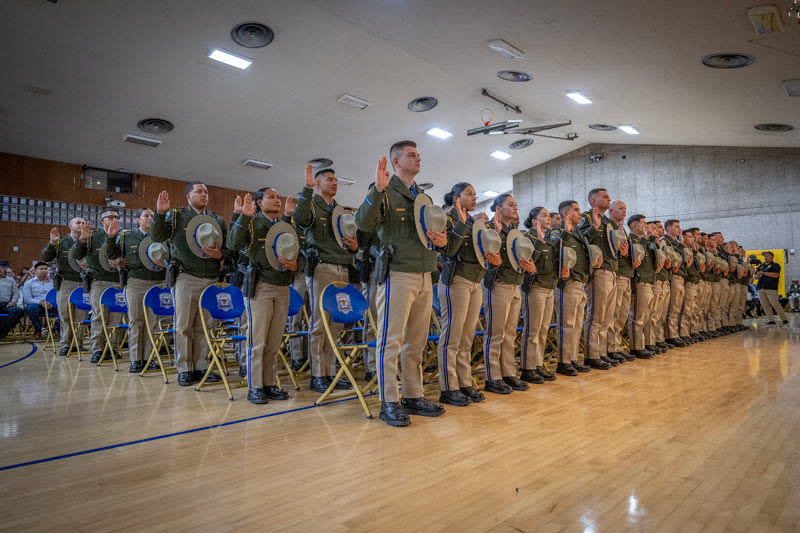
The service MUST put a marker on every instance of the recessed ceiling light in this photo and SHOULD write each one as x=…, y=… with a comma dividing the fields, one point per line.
x=502, y=47
x=155, y=125
x=579, y=97
x=423, y=103
x=255, y=163
x=630, y=130
x=520, y=144
x=513, y=75
x=792, y=87
x=223, y=56
x=144, y=141
x=353, y=101
x=602, y=127
x=773, y=127
x=499, y=154
x=728, y=60
x=252, y=34
x=491, y=194
x=439, y=133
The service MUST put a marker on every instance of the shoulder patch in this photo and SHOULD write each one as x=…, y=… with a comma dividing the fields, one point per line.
x=554, y=235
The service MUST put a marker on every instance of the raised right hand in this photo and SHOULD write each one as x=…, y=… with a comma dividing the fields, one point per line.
x=54, y=235
x=86, y=231
x=460, y=211
x=382, y=175
x=310, y=181
x=237, y=205
x=162, y=204
x=248, y=206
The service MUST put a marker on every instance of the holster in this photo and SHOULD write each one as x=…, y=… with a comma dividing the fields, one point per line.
x=57, y=279
x=448, y=271
x=363, y=268
x=86, y=280
x=312, y=260
x=490, y=277
x=383, y=259
x=527, y=283
x=250, y=280
x=236, y=277
x=123, y=276
x=171, y=276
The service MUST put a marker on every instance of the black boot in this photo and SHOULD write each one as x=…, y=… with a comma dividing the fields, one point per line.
x=497, y=386
x=546, y=375
x=273, y=392
x=393, y=414
x=598, y=364
x=531, y=376
x=454, y=397
x=136, y=367
x=422, y=407
x=257, y=396
x=515, y=383
x=580, y=367
x=566, y=369
x=318, y=384
x=642, y=354
x=473, y=394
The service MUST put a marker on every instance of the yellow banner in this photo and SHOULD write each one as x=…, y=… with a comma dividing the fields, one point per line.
x=779, y=259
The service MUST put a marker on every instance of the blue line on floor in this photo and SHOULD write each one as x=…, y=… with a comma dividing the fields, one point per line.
x=167, y=435
x=21, y=358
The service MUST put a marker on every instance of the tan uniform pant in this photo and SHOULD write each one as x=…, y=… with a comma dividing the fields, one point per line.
x=666, y=293
x=501, y=306
x=570, y=306
x=537, y=306
x=742, y=303
x=703, y=303
x=404, y=316
x=323, y=362
x=735, y=312
x=623, y=307
x=641, y=315
x=676, y=294
x=370, y=292
x=267, y=312
x=713, y=308
x=600, y=312
x=769, y=301
x=62, y=301
x=138, y=340
x=724, y=301
x=651, y=330
x=299, y=344
x=686, y=322
x=461, y=307
x=191, y=349
x=98, y=338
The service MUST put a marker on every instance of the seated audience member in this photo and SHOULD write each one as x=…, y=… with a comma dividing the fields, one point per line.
x=34, y=293
x=9, y=298
x=794, y=295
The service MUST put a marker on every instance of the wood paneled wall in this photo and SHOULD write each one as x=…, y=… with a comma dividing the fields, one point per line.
x=53, y=180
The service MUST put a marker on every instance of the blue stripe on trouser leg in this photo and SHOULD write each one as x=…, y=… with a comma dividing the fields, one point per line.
x=174, y=341
x=561, y=322
x=447, y=339
x=381, y=376
x=311, y=326
x=588, y=328
x=525, y=332
x=249, y=343
x=488, y=334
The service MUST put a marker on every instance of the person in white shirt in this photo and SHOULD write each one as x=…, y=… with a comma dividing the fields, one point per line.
x=34, y=295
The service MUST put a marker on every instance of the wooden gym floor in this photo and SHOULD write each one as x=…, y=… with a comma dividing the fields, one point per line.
x=702, y=438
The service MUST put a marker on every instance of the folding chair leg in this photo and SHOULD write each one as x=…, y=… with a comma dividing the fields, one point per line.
x=288, y=366
x=345, y=369
x=215, y=361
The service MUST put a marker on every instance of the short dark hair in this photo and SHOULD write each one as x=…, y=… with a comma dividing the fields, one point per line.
x=554, y=212
x=671, y=222
x=704, y=234
x=458, y=188
x=593, y=192
x=532, y=214
x=190, y=186
x=684, y=232
x=768, y=252
x=654, y=222
x=398, y=147
x=324, y=171
x=140, y=212
x=634, y=218
x=108, y=210
x=40, y=264
x=499, y=200
x=714, y=233
x=693, y=229
x=566, y=204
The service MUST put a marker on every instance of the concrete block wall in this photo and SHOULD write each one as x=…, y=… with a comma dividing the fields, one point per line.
x=751, y=195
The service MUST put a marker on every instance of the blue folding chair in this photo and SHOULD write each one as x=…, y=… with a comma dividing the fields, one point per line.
x=296, y=305
x=342, y=303
x=81, y=301
x=158, y=300
x=222, y=302
x=51, y=317
x=113, y=299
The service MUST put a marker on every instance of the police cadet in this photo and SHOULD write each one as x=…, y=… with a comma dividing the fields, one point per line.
x=703, y=286
x=460, y=294
x=144, y=269
x=299, y=343
x=537, y=298
x=715, y=277
x=67, y=279
x=101, y=275
x=271, y=248
x=570, y=297
x=676, y=286
x=639, y=324
x=601, y=289
x=405, y=294
x=197, y=237
x=326, y=261
x=665, y=276
x=724, y=285
x=687, y=322
x=625, y=268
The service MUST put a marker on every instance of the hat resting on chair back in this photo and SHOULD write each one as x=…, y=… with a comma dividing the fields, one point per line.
x=615, y=238
x=596, y=254
x=281, y=241
x=427, y=217
x=203, y=230
x=637, y=253
x=344, y=225
x=484, y=241
x=567, y=257
x=150, y=252
x=518, y=247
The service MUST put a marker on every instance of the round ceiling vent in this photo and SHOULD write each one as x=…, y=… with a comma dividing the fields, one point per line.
x=513, y=75
x=155, y=125
x=725, y=61
x=252, y=34
x=602, y=127
x=772, y=127
x=423, y=103
x=321, y=162
x=520, y=144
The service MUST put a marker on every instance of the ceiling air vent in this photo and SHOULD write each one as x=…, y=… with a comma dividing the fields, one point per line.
x=155, y=125
x=727, y=61
x=423, y=103
x=520, y=144
x=252, y=35
x=773, y=127
x=255, y=163
x=513, y=75
x=602, y=127
x=321, y=162
x=144, y=141
x=792, y=87
x=353, y=101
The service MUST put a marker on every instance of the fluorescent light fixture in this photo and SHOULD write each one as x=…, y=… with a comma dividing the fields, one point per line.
x=579, y=97
x=353, y=101
x=792, y=88
x=630, y=130
x=439, y=133
x=223, y=56
x=502, y=47
x=499, y=154
x=345, y=181
x=255, y=163
x=491, y=194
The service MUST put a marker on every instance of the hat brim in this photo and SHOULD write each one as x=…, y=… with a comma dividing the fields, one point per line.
x=510, y=238
x=192, y=226
x=477, y=227
x=73, y=263
x=102, y=258
x=144, y=258
x=421, y=201
x=272, y=234
x=562, y=264
x=338, y=211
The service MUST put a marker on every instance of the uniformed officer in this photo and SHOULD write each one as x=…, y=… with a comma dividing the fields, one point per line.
x=92, y=246
x=365, y=264
x=255, y=230
x=625, y=268
x=68, y=278
x=570, y=295
x=299, y=343
x=676, y=285
x=405, y=297
x=537, y=298
x=687, y=323
x=715, y=277
x=665, y=275
x=198, y=253
x=642, y=291
x=130, y=246
x=600, y=292
x=703, y=285
x=725, y=284
x=314, y=213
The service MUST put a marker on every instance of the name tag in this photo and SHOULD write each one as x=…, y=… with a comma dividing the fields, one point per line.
x=400, y=209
